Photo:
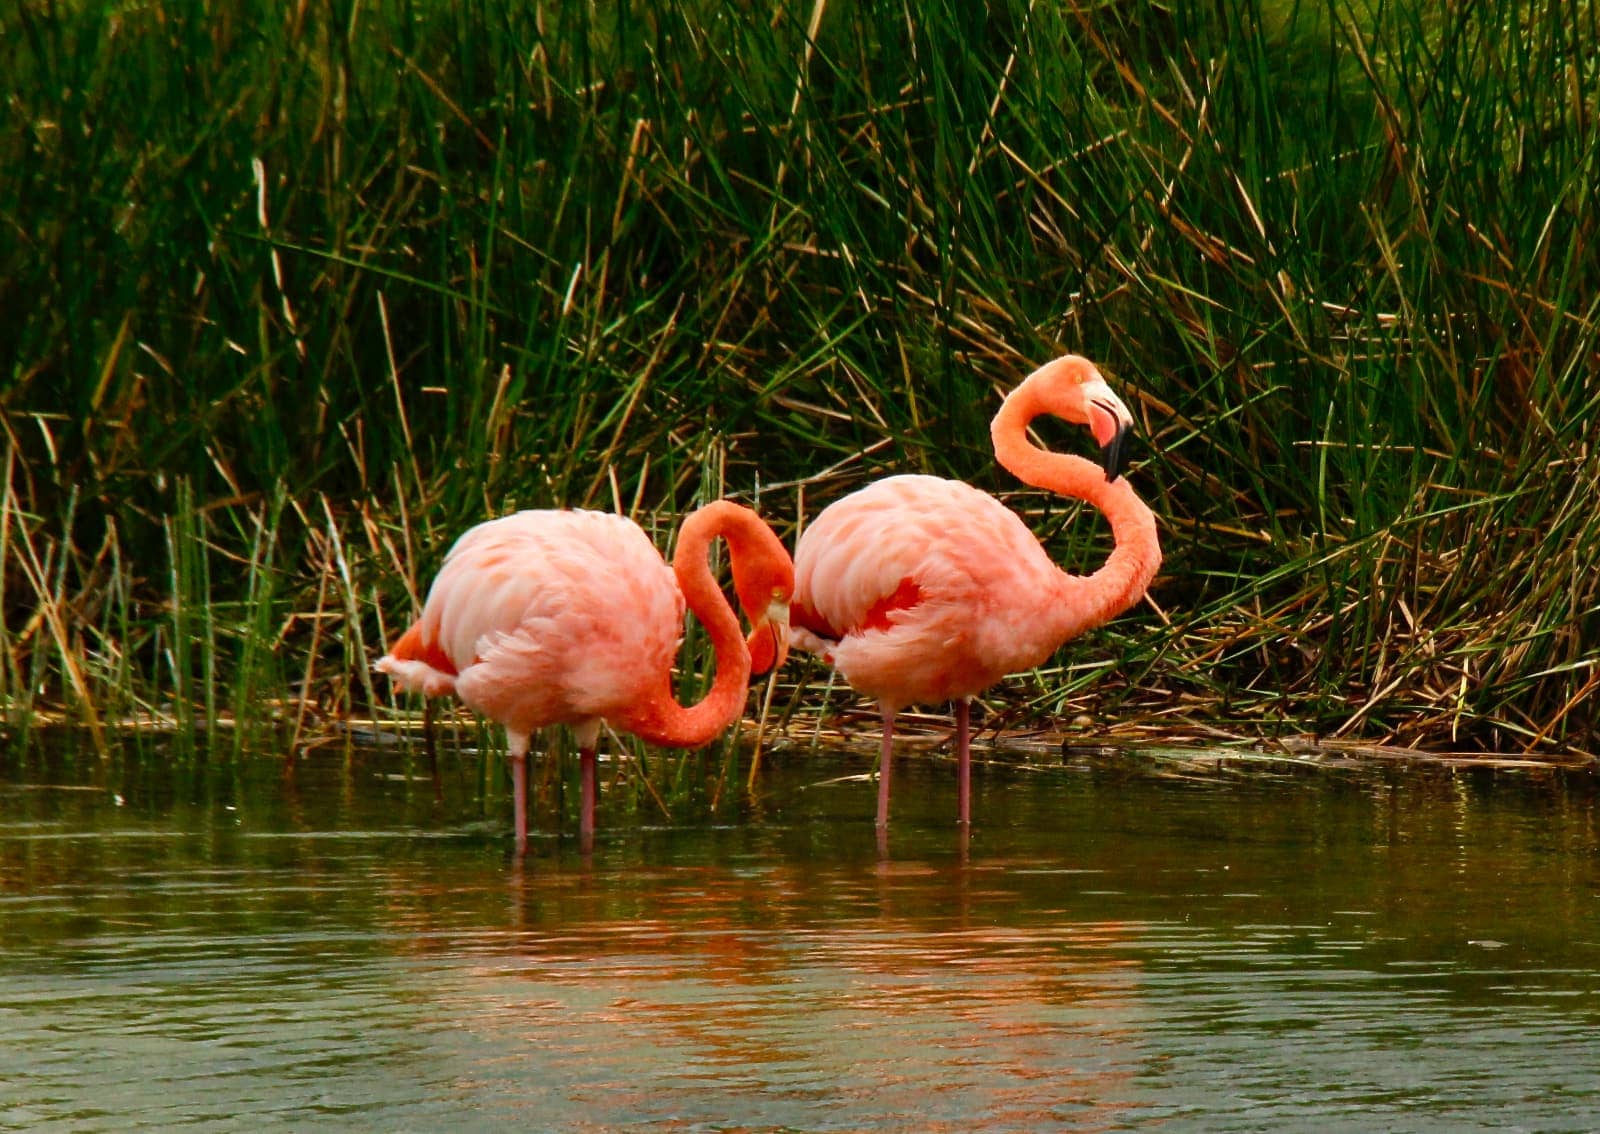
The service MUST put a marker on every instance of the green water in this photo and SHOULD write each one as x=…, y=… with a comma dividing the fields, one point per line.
x=219, y=948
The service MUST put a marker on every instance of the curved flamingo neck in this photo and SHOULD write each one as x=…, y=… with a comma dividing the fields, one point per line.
x=1081, y=602
x=659, y=718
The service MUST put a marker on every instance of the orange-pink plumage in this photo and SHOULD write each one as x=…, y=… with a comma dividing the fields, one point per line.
x=571, y=617
x=919, y=589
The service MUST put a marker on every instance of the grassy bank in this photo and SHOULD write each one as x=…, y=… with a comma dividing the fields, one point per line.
x=294, y=293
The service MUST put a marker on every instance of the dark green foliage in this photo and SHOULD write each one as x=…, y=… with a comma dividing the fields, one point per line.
x=293, y=293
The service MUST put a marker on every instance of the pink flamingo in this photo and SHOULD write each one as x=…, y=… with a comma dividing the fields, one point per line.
x=921, y=589
x=571, y=617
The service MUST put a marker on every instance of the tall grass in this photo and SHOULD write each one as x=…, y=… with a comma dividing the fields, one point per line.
x=294, y=293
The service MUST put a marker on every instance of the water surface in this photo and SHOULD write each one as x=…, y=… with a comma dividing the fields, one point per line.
x=211, y=946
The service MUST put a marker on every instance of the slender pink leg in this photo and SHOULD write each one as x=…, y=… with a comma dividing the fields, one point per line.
x=587, y=775
x=963, y=762
x=432, y=749
x=519, y=788
x=883, y=768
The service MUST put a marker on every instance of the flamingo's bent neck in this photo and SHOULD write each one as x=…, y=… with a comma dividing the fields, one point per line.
x=1082, y=602
x=659, y=718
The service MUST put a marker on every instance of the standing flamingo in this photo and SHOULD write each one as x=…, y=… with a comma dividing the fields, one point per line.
x=922, y=589
x=571, y=617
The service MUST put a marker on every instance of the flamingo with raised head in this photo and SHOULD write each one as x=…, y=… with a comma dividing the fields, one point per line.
x=918, y=589
x=571, y=617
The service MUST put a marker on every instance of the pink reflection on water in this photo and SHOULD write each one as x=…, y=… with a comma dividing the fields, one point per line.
x=893, y=996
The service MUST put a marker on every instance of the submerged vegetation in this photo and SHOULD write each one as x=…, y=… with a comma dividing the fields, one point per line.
x=295, y=292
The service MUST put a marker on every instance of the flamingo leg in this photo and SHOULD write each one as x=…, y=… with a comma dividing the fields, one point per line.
x=883, y=768
x=518, y=744
x=964, y=762
x=431, y=747
x=587, y=776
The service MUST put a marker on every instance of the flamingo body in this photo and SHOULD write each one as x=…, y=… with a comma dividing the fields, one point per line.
x=571, y=617
x=910, y=588
x=546, y=617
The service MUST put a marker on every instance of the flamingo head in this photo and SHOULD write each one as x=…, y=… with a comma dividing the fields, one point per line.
x=1072, y=389
x=763, y=578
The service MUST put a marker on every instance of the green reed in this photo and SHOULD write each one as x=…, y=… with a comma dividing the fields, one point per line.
x=294, y=295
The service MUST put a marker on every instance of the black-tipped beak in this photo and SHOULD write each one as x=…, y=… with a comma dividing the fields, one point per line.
x=769, y=640
x=1114, y=453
